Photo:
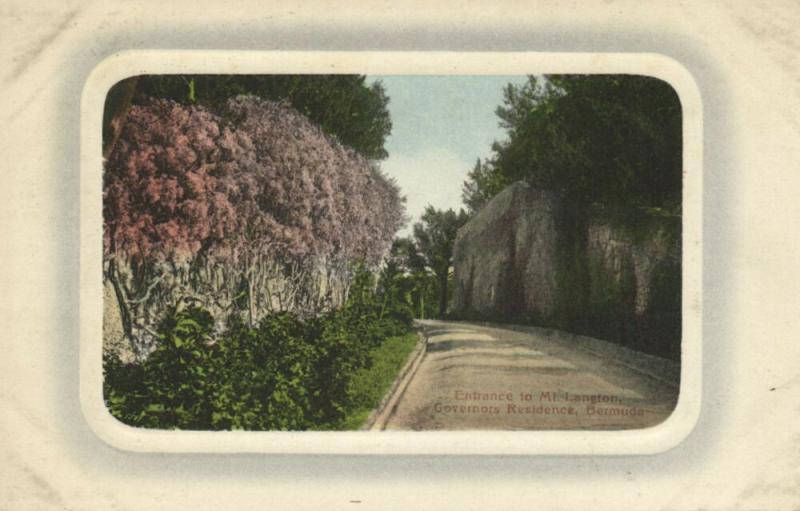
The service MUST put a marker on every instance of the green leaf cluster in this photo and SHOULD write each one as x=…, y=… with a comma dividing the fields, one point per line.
x=609, y=145
x=286, y=373
x=434, y=237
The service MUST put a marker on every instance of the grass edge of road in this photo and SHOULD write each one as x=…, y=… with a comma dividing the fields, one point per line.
x=370, y=384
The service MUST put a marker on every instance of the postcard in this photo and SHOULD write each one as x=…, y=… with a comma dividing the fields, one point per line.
x=391, y=252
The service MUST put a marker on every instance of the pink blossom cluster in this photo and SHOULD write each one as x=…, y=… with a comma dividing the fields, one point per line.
x=257, y=176
x=164, y=190
x=303, y=194
x=251, y=209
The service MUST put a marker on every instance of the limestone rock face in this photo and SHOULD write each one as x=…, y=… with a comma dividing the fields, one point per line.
x=114, y=341
x=517, y=261
x=634, y=288
x=504, y=257
x=316, y=289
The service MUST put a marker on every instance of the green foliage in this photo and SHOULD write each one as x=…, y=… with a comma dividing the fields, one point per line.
x=663, y=323
x=408, y=287
x=609, y=144
x=370, y=384
x=173, y=388
x=610, y=312
x=571, y=268
x=287, y=373
x=434, y=237
x=484, y=181
x=342, y=105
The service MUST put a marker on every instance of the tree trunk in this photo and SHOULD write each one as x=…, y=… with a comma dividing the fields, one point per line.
x=124, y=312
x=251, y=305
x=443, y=292
x=118, y=102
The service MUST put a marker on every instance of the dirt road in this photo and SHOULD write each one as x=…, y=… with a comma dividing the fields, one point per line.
x=478, y=377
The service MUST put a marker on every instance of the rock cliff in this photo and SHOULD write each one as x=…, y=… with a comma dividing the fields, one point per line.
x=505, y=257
x=518, y=260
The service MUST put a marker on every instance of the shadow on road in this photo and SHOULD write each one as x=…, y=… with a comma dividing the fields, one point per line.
x=488, y=354
x=434, y=346
x=509, y=369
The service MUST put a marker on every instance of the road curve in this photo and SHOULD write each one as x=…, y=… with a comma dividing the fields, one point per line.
x=489, y=377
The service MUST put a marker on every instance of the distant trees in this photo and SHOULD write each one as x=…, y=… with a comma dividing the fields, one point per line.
x=434, y=237
x=238, y=208
x=609, y=143
x=405, y=278
x=417, y=269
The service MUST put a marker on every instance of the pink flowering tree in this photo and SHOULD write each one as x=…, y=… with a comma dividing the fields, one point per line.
x=308, y=207
x=165, y=200
x=254, y=209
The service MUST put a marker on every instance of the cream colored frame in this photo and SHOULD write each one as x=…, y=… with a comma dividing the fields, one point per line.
x=642, y=441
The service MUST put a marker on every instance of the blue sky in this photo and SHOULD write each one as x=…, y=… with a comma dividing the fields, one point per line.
x=440, y=126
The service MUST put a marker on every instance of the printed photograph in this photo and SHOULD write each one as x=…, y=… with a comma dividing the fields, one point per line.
x=398, y=252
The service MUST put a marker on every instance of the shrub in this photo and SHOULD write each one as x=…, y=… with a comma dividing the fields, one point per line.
x=286, y=373
x=173, y=388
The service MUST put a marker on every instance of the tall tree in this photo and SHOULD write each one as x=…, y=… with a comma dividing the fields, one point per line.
x=117, y=104
x=607, y=142
x=434, y=237
x=406, y=272
x=483, y=182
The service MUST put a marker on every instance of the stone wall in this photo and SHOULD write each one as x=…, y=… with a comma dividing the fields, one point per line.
x=518, y=261
x=504, y=258
x=634, y=289
x=114, y=341
x=314, y=290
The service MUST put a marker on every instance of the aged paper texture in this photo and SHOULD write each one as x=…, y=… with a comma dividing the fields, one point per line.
x=743, y=451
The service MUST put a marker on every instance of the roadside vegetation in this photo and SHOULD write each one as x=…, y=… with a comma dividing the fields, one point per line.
x=246, y=221
x=285, y=373
x=371, y=383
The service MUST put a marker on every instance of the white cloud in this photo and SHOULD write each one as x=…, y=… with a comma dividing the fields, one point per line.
x=430, y=176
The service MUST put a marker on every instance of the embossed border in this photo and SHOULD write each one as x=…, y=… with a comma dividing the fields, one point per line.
x=641, y=441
